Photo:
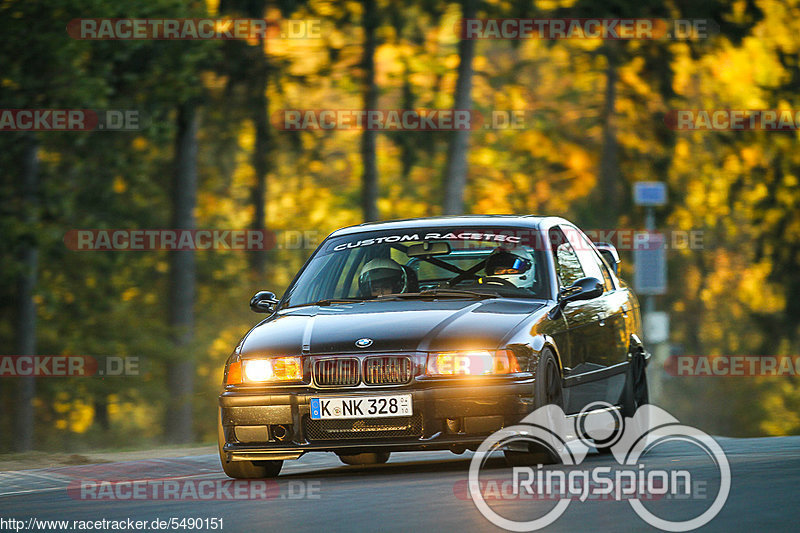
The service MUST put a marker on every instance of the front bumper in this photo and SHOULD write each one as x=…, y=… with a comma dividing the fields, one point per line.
x=263, y=424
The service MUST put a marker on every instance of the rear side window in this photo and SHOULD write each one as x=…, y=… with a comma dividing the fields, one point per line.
x=608, y=283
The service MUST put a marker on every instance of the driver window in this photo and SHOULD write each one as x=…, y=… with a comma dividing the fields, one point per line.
x=591, y=261
x=568, y=267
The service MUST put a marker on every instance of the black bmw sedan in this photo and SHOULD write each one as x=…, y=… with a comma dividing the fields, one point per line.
x=429, y=334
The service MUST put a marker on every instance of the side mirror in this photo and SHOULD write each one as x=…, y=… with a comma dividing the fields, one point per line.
x=609, y=253
x=583, y=289
x=263, y=302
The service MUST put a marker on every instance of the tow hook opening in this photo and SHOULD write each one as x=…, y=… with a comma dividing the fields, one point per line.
x=280, y=432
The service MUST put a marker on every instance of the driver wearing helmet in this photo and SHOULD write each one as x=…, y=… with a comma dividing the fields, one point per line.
x=381, y=276
x=512, y=266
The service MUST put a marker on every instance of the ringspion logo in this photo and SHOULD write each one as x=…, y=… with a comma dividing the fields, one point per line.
x=599, y=424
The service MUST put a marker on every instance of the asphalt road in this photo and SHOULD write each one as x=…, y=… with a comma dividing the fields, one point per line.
x=414, y=491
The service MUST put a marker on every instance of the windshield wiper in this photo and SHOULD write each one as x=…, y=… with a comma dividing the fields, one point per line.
x=440, y=293
x=429, y=293
x=330, y=301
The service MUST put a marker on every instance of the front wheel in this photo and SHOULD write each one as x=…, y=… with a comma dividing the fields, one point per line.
x=245, y=469
x=548, y=390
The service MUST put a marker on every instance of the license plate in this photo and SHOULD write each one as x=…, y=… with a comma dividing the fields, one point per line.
x=361, y=407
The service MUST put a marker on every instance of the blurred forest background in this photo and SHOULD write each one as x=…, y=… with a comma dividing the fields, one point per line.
x=209, y=157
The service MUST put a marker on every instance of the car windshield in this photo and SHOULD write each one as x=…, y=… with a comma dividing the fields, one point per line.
x=423, y=263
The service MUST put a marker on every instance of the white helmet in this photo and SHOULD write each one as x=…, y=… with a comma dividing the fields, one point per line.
x=382, y=276
x=513, y=265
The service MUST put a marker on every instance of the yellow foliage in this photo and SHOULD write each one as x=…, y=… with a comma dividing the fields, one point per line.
x=81, y=416
x=129, y=294
x=119, y=186
x=140, y=143
x=782, y=419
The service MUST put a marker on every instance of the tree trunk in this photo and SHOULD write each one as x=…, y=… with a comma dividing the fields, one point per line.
x=259, y=106
x=101, y=413
x=610, y=174
x=455, y=179
x=408, y=148
x=369, y=178
x=26, y=326
x=180, y=371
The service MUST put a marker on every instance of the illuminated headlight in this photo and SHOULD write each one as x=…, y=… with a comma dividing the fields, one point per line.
x=258, y=370
x=472, y=363
x=273, y=369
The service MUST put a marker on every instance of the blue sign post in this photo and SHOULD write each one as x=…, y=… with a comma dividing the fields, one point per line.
x=649, y=193
x=650, y=275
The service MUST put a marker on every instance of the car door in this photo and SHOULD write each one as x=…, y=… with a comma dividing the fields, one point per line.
x=580, y=318
x=607, y=347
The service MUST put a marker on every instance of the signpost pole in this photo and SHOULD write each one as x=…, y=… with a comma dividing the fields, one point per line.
x=650, y=280
x=650, y=226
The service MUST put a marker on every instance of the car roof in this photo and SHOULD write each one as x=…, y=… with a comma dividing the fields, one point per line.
x=531, y=221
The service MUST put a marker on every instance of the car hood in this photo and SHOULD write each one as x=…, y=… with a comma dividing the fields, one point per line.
x=407, y=326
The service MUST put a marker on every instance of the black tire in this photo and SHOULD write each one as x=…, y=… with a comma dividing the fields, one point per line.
x=532, y=457
x=552, y=392
x=376, y=458
x=245, y=469
x=547, y=390
x=636, y=393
